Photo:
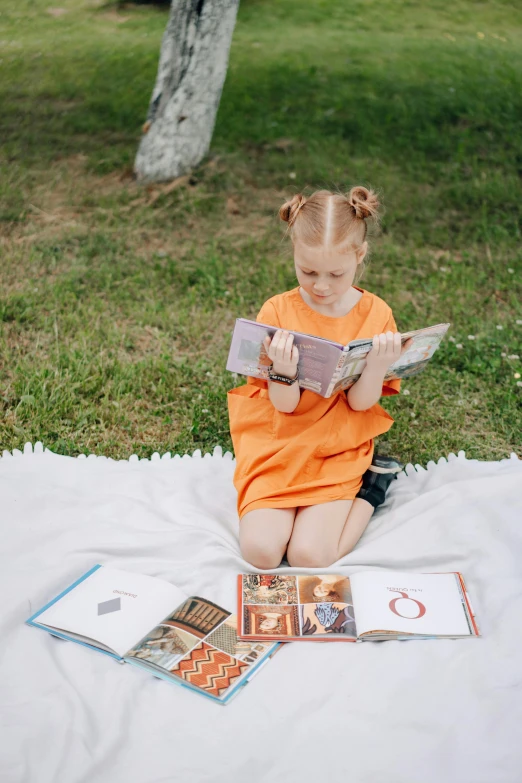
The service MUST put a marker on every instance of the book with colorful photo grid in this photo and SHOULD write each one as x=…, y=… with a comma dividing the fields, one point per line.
x=367, y=606
x=150, y=623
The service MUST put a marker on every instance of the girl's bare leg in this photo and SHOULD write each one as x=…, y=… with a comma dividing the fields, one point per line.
x=264, y=534
x=324, y=533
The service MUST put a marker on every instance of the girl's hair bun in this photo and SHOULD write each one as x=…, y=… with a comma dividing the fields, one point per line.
x=364, y=201
x=290, y=209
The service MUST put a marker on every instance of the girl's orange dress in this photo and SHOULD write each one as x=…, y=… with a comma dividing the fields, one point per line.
x=319, y=452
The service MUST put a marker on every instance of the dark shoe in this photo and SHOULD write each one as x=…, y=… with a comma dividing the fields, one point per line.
x=382, y=464
x=377, y=479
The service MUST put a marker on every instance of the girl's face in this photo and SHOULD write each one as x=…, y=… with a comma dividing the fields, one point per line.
x=325, y=273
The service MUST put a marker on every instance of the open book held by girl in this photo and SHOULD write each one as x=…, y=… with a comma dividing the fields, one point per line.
x=304, y=476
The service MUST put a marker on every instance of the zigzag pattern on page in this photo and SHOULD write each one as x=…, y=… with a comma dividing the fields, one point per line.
x=210, y=669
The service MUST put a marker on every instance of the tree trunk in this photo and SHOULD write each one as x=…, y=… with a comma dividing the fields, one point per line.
x=192, y=69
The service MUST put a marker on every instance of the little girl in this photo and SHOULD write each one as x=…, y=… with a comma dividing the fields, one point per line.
x=305, y=479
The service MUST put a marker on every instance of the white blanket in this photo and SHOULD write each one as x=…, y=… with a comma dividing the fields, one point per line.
x=400, y=712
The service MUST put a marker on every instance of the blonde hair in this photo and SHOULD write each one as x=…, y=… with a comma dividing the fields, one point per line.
x=335, y=219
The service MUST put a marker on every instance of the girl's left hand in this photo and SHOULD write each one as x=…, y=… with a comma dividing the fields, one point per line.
x=386, y=350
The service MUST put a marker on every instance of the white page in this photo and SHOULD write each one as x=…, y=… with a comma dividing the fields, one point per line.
x=439, y=610
x=144, y=602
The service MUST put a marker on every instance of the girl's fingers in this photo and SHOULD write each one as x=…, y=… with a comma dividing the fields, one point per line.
x=281, y=345
x=274, y=346
x=387, y=344
x=288, y=348
x=271, y=341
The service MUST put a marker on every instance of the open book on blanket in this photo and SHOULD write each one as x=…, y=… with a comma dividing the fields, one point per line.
x=368, y=606
x=151, y=623
x=326, y=367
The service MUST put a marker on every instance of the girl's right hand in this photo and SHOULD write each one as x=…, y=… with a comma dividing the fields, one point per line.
x=283, y=353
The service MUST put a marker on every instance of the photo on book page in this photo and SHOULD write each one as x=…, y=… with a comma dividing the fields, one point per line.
x=324, y=587
x=209, y=669
x=254, y=353
x=197, y=616
x=422, y=348
x=327, y=618
x=368, y=605
x=282, y=606
x=215, y=664
x=152, y=625
x=423, y=345
x=225, y=638
x=270, y=621
x=269, y=589
x=164, y=646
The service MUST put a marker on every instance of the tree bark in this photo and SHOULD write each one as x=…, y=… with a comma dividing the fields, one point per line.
x=191, y=72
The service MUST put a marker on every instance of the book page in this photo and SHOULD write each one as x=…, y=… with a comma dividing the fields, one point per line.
x=402, y=602
x=318, y=358
x=308, y=606
x=113, y=607
x=424, y=344
x=198, y=644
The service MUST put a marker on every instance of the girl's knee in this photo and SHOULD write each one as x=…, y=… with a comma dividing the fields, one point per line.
x=260, y=554
x=264, y=534
x=304, y=555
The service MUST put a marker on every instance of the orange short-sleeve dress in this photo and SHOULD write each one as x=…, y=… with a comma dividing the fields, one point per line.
x=319, y=452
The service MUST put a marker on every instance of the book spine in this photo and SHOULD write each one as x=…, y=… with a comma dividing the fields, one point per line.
x=239, y=604
x=468, y=603
x=336, y=374
x=64, y=592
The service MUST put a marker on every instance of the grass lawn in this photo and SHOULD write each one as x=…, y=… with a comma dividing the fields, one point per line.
x=117, y=303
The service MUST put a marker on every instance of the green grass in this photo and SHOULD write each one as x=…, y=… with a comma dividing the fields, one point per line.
x=117, y=304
